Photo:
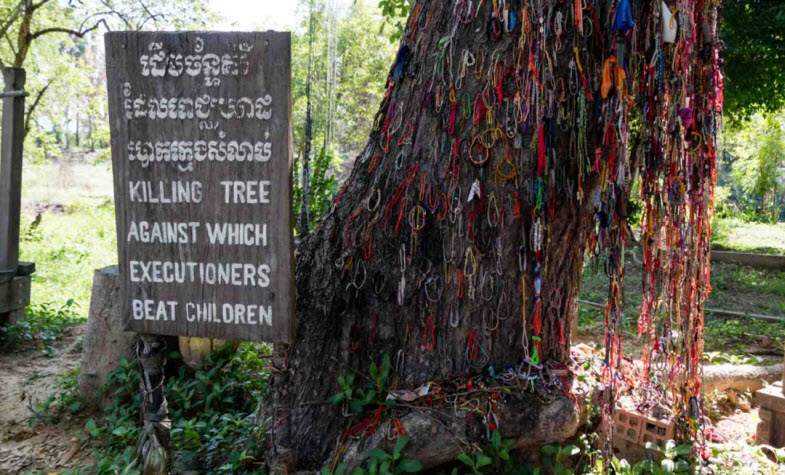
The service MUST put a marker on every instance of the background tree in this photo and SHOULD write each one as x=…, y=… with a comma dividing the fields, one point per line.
x=753, y=182
x=350, y=61
x=752, y=32
x=498, y=158
x=52, y=40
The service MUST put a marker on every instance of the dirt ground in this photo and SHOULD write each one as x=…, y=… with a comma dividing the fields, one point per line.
x=739, y=426
x=30, y=377
x=27, y=378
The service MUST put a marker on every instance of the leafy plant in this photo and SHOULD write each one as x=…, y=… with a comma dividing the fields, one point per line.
x=65, y=401
x=211, y=410
x=384, y=463
x=42, y=324
x=381, y=462
x=673, y=459
x=395, y=13
x=322, y=187
x=375, y=392
x=555, y=458
x=475, y=462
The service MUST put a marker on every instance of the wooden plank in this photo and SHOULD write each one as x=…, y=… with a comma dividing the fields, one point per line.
x=759, y=261
x=11, y=171
x=202, y=156
x=14, y=294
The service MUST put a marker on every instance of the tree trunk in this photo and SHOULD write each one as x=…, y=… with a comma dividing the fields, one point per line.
x=106, y=342
x=456, y=245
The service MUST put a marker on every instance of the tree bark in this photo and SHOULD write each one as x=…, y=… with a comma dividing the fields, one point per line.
x=457, y=243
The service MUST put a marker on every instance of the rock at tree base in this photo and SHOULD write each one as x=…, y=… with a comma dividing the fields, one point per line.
x=439, y=435
x=106, y=341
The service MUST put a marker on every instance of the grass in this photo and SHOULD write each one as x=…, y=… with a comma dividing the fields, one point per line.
x=67, y=229
x=74, y=235
x=734, y=287
x=737, y=235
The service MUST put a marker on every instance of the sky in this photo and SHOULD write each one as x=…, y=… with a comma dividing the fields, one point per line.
x=245, y=15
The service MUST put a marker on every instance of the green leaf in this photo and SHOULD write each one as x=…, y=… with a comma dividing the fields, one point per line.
x=410, y=466
x=377, y=454
x=370, y=396
x=483, y=460
x=357, y=406
x=92, y=428
x=466, y=459
x=496, y=439
x=400, y=444
x=548, y=450
x=683, y=450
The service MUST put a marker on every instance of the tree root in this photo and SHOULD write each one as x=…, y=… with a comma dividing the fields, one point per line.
x=437, y=436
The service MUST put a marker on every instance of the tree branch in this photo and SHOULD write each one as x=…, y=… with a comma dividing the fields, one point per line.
x=38, y=5
x=33, y=106
x=10, y=43
x=6, y=25
x=79, y=34
x=112, y=11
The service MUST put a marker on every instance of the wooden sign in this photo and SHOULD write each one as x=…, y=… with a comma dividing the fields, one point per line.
x=201, y=151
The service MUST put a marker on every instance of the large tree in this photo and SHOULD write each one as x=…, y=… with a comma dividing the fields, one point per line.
x=501, y=155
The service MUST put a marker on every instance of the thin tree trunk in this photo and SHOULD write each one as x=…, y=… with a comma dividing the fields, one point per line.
x=305, y=215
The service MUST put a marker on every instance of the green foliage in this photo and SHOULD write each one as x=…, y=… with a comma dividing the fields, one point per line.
x=496, y=457
x=555, y=458
x=738, y=334
x=734, y=287
x=64, y=402
x=380, y=462
x=384, y=463
x=211, y=411
x=375, y=392
x=68, y=242
x=673, y=458
x=754, y=54
x=68, y=70
x=721, y=357
x=395, y=13
x=42, y=324
x=752, y=169
x=343, y=103
x=738, y=235
x=323, y=186
x=475, y=462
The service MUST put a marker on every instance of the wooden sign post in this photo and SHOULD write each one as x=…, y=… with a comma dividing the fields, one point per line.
x=14, y=275
x=202, y=154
